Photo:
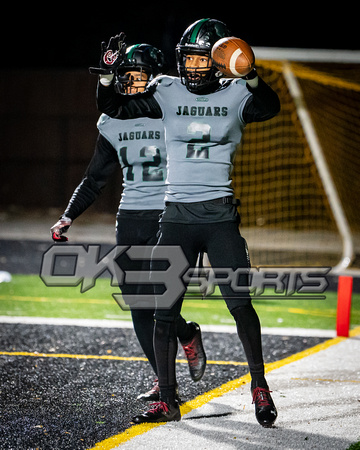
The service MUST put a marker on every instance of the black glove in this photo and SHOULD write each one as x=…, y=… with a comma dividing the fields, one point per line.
x=112, y=55
x=61, y=226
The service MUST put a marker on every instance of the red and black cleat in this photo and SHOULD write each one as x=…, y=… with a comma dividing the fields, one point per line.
x=159, y=412
x=195, y=354
x=265, y=410
x=152, y=395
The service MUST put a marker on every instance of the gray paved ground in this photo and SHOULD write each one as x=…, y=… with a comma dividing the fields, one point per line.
x=318, y=401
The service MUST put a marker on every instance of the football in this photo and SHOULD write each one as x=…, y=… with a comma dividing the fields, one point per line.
x=233, y=57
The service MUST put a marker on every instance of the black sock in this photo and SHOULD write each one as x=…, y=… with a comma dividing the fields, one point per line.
x=143, y=322
x=168, y=395
x=165, y=345
x=184, y=330
x=249, y=331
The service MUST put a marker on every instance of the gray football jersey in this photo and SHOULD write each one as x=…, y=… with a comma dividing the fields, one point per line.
x=201, y=135
x=140, y=146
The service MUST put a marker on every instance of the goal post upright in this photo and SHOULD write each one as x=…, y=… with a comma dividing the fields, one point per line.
x=311, y=55
x=322, y=167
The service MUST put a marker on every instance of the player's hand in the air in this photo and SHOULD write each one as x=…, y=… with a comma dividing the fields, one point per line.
x=61, y=227
x=112, y=54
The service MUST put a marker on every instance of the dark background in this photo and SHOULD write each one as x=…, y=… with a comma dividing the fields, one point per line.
x=70, y=36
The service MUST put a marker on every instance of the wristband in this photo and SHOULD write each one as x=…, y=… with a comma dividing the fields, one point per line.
x=253, y=83
x=106, y=80
x=252, y=79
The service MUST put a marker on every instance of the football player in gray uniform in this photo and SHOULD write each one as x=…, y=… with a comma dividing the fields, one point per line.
x=204, y=117
x=138, y=147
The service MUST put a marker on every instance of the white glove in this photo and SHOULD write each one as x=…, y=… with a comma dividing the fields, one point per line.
x=61, y=226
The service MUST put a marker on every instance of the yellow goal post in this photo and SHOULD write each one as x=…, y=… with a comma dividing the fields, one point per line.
x=298, y=175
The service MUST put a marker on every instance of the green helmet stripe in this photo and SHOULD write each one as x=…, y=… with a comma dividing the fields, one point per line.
x=131, y=51
x=196, y=30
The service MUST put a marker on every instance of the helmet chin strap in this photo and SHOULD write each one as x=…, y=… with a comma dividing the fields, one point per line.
x=198, y=81
x=206, y=88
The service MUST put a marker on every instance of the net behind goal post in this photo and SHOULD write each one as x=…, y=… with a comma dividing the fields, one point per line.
x=298, y=175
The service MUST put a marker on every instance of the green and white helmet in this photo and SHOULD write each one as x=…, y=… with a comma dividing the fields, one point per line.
x=199, y=38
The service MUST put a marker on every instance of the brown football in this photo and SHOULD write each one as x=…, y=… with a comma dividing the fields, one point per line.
x=233, y=57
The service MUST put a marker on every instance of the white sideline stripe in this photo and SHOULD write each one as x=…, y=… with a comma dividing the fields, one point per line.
x=306, y=332
x=65, y=321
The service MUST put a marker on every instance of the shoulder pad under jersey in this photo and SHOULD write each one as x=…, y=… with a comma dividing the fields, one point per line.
x=163, y=80
x=103, y=119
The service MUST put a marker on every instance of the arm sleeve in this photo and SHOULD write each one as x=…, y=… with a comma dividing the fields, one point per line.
x=103, y=163
x=263, y=104
x=121, y=106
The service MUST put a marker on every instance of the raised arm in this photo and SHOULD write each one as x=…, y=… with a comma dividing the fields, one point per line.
x=264, y=102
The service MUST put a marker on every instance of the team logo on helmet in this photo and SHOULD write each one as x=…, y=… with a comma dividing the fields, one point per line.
x=110, y=57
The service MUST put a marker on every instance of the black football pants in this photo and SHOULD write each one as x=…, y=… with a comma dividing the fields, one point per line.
x=226, y=248
x=142, y=232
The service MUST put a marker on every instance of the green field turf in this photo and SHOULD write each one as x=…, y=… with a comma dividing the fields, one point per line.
x=27, y=295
